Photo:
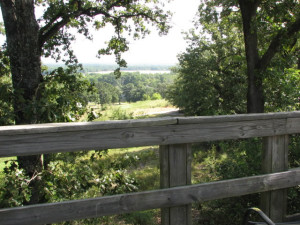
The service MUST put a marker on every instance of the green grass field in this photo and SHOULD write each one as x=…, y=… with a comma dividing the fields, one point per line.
x=136, y=110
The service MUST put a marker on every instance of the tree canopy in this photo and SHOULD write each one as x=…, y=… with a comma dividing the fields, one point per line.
x=228, y=67
x=130, y=17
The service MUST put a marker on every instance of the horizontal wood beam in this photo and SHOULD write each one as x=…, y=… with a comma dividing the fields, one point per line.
x=292, y=218
x=126, y=203
x=52, y=138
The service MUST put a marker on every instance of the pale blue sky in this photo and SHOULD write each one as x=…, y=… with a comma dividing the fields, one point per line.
x=154, y=49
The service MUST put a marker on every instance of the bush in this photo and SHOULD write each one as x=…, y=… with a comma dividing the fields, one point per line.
x=119, y=114
x=117, y=182
x=146, y=97
x=156, y=96
x=15, y=191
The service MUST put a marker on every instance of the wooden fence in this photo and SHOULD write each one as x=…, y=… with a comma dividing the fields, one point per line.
x=174, y=136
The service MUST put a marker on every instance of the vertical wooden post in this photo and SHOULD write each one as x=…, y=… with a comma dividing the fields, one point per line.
x=175, y=170
x=275, y=159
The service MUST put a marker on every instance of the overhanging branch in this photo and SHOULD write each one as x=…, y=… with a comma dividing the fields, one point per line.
x=277, y=43
x=51, y=28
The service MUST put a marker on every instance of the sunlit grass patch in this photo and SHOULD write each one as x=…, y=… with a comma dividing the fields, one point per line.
x=2, y=166
x=125, y=110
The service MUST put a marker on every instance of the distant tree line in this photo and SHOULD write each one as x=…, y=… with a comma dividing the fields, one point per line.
x=130, y=87
x=87, y=68
x=111, y=67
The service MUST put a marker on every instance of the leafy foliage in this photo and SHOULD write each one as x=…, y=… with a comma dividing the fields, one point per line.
x=6, y=97
x=126, y=17
x=212, y=63
x=71, y=176
x=108, y=93
x=131, y=86
x=117, y=182
x=120, y=114
x=282, y=90
x=65, y=96
x=156, y=96
x=213, y=70
x=16, y=188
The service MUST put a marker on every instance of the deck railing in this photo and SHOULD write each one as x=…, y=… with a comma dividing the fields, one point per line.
x=174, y=136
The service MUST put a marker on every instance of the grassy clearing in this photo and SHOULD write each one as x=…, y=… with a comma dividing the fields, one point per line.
x=140, y=105
x=135, y=110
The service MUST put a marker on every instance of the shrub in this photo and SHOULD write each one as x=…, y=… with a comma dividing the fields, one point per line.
x=156, y=96
x=119, y=114
x=15, y=191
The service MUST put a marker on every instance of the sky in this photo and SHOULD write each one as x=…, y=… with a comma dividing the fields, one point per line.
x=153, y=49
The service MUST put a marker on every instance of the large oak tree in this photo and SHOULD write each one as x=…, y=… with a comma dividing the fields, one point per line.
x=270, y=31
x=269, y=28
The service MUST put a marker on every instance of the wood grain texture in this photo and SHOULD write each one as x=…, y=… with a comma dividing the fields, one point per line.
x=275, y=159
x=84, y=126
x=77, y=126
x=88, y=208
x=238, y=117
x=175, y=167
x=293, y=125
x=51, y=138
x=164, y=178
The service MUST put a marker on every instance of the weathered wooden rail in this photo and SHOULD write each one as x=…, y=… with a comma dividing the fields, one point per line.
x=174, y=135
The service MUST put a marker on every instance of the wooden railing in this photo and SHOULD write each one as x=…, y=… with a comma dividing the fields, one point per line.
x=174, y=135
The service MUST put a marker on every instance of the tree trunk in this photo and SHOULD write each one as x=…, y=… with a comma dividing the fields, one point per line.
x=255, y=98
x=25, y=62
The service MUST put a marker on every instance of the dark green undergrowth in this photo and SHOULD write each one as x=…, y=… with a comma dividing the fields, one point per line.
x=220, y=161
x=235, y=159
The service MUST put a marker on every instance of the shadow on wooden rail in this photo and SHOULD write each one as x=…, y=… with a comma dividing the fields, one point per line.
x=174, y=136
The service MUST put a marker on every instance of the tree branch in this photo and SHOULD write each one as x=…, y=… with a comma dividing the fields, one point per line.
x=47, y=31
x=277, y=43
x=53, y=27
